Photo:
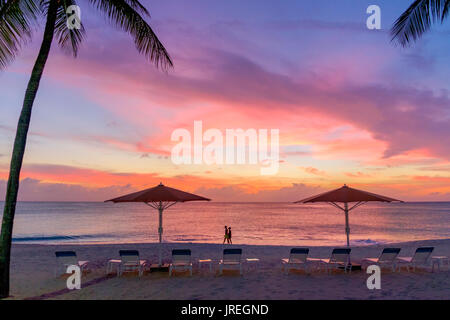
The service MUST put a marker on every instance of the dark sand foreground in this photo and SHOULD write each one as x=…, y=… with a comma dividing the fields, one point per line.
x=32, y=275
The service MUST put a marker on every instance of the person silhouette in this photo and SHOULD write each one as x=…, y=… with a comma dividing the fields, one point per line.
x=225, y=237
x=229, y=236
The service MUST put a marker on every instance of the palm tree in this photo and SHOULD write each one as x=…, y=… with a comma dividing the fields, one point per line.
x=17, y=20
x=417, y=19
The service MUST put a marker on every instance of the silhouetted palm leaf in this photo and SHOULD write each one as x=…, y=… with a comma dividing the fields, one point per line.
x=417, y=19
x=16, y=20
x=123, y=15
x=17, y=16
x=68, y=39
x=136, y=5
x=446, y=10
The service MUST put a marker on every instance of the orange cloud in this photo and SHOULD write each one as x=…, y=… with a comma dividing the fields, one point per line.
x=314, y=171
x=358, y=175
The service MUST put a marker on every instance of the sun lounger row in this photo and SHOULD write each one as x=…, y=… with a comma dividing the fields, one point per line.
x=131, y=262
x=298, y=259
x=340, y=259
x=232, y=260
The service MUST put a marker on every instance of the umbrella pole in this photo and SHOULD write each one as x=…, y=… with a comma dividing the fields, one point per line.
x=160, y=231
x=347, y=227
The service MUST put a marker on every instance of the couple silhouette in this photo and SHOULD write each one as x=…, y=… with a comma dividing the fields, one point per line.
x=227, y=236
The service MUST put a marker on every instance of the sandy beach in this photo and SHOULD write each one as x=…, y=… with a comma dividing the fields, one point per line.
x=32, y=275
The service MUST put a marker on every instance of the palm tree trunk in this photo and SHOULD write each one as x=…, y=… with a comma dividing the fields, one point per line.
x=19, y=150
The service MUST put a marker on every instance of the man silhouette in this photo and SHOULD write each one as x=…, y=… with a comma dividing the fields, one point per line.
x=225, y=237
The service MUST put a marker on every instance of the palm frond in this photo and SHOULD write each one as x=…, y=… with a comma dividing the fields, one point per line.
x=16, y=20
x=417, y=19
x=136, y=5
x=68, y=39
x=122, y=13
x=446, y=10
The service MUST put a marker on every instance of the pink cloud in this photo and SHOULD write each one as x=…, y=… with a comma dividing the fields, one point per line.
x=236, y=193
x=36, y=190
x=231, y=89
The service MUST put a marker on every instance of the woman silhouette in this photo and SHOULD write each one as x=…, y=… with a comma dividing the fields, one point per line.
x=229, y=236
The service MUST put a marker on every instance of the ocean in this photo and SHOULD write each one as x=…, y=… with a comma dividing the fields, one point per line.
x=252, y=223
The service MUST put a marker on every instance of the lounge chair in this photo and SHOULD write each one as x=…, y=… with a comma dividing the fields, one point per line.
x=421, y=258
x=387, y=258
x=181, y=260
x=340, y=258
x=64, y=259
x=231, y=260
x=298, y=259
x=129, y=262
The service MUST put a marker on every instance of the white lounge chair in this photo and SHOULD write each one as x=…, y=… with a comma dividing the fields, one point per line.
x=130, y=262
x=64, y=259
x=298, y=259
x=181, y=260
x=420, y=259
x=387, y=258
x=231, y=260
x=340, y=258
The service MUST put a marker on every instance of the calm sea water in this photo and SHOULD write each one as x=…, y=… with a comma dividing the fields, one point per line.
x=252, y=223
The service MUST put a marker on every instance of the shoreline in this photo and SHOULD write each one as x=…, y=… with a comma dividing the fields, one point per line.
x=23, y=243
x=32, y=268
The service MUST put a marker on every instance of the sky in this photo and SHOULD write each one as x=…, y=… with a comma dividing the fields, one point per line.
x=350, y=106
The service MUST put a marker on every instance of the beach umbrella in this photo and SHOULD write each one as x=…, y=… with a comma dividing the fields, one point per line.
x=347, y=195
x=159, y=198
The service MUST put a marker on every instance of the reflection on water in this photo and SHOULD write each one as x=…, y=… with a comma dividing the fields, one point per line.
x=252, y=223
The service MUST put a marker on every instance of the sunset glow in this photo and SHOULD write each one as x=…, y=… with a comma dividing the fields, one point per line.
x=350, y=106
